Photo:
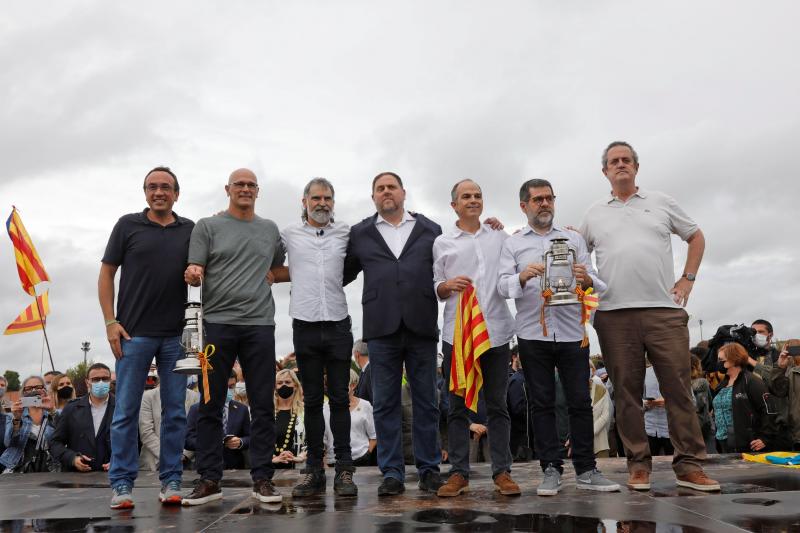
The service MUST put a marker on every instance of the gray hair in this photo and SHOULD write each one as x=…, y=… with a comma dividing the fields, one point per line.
x=315, y=181
x=361, y=347
x=353, y=377
x=525, y=190
x=619, y=143
x=453, y=191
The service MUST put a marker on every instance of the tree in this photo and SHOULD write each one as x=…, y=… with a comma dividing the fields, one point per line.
x=13, y=380
x=77, y=374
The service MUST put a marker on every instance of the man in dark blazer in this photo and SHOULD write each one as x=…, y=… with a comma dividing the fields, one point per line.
x=82, y=438
x=237, y=429
x=394, y=249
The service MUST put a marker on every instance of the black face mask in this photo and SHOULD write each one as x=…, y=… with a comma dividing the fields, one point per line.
x=285, y=391
x=65, y=393
x=721, y=367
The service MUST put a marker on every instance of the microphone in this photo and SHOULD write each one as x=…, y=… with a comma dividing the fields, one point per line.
x=320, y=232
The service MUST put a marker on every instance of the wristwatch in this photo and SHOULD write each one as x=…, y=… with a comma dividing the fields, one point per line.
x=689, y=276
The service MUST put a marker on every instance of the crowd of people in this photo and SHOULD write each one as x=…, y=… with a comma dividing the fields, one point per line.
x=387, y=399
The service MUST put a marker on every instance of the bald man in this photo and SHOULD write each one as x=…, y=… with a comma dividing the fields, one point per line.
x=232, y=253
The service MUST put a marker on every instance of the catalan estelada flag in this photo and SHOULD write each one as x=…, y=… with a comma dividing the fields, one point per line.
x=30, y=267
x=470, y=341
x=30, y=319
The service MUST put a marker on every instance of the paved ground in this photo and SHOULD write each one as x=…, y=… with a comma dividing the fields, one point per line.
x=754, y=498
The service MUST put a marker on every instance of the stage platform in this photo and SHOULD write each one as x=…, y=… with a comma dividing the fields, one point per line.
x=754, y=497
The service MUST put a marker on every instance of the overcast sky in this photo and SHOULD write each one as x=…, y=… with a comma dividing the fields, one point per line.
x=93, y=94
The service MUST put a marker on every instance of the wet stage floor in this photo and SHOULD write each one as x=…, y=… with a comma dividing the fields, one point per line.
x=754, y=497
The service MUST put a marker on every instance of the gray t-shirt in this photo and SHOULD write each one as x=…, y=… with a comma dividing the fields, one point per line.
x=632, y=244
x=237, y=254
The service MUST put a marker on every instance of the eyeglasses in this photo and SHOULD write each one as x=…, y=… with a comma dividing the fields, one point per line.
x=244, y=185
x=539, y=200
x=99, y=379
x=153, y=187
x=33, y=388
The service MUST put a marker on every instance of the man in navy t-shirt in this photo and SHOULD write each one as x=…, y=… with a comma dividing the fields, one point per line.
x=152, y=249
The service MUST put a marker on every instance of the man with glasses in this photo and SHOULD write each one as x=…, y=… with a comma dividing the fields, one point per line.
x=82, y=440
x=152, y=249
x=642, y=312
x=231, y=254
x=551, y=339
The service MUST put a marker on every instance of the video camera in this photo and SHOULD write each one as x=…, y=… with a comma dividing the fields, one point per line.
x=739, y=333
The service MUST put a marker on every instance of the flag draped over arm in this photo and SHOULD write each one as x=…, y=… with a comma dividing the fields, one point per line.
x=30, y=319
x=470, y=341
x=30, y=267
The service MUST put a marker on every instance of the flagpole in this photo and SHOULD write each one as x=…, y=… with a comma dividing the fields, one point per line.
x=44, y=330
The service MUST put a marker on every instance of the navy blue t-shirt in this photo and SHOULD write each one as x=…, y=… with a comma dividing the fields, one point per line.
x=152, y=258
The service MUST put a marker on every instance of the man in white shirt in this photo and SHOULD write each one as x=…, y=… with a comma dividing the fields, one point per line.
x=316, y=248
x=467, y=254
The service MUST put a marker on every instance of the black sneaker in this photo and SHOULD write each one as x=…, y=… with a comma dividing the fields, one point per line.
x=313, y=483
x=264, y=491
x=430, y=481
x=391, y=487
x=205, y=490
x=343, y=484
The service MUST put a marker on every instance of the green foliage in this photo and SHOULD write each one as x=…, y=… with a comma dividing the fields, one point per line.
x=13, y=380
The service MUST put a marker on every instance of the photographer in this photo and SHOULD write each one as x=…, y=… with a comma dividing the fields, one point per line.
x=763, y=340
x=786, y=384
x=28, y=430
x=757, y=361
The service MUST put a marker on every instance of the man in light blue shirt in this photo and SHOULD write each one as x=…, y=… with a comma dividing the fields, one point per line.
x=557, y=344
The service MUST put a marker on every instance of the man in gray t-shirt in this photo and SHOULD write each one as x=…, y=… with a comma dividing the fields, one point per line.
x=232, y=253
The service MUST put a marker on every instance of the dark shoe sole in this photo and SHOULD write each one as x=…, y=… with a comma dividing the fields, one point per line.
x=392, y=492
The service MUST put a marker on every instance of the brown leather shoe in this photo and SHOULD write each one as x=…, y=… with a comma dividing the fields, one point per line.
x=639, y=480
x=506, y=485
x=698, y=480
x=456, y=484
x=264, y=491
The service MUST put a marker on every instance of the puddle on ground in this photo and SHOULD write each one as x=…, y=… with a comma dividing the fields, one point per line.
x=64, y=525
x=296, y=507
x=768, y=525
x=755, y=501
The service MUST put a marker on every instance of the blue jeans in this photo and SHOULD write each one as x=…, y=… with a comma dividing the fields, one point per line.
x=131, y=369
x=387, y=355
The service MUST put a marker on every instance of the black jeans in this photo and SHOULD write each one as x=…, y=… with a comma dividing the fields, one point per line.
x=323, y=351
x=539, y=360
x=255, y=348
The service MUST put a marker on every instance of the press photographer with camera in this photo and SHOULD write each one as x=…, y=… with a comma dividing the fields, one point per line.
x=28, y=430
x=754, y=343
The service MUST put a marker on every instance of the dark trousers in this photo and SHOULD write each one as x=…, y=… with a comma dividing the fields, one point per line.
x=255, y=348
x=387, y=356
x=494, y=367
x=625, y=335
x=539, y=361
x=323, y=349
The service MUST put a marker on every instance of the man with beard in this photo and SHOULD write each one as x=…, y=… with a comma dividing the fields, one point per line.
x=550, y=339
x=316, y=248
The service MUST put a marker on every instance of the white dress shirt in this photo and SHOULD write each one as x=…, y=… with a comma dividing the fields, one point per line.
x=563, y=321
x=460, y=253
x=316, y=266
x=98, y=412
x=396, y=236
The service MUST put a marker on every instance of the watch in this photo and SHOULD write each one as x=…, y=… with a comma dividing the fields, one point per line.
x=689, y=276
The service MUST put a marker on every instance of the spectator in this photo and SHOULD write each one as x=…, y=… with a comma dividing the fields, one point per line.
x=655, y=415
x=362, y=428
x=742, y=406
x=5, y=405
x=361, y=357
x=82, y=439
x=240, y=393
x=151, y=426
x=601, y=414
x=49, y=376
x=763, y=340
x=62, y=392
x=702, y=400
x=236, y=428
x=28, y=431
x=289, y=427
x=521, y=435
x=290, y=361
x=786, y=384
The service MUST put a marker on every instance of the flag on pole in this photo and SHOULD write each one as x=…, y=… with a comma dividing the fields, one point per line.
x=30, y=319
x=30, y=267
x=470, y=341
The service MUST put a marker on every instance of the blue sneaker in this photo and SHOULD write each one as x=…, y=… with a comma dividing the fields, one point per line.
x=171, y=493
x=122, y=497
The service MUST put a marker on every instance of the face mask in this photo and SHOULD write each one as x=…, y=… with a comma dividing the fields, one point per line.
x=240, y=389
x=285, y=392
x=65, y=393
x=721, y=367
x=2, y=391
x=229, y=396
x=760, y=340
x=100, y=389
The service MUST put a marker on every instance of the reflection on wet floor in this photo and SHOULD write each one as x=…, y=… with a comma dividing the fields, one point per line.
x=778, y=482
x=67, y=525
x=296, y=507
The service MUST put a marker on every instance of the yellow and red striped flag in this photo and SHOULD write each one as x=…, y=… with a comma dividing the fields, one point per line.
x=30, y=267
x=30, y=319
x=470, y=341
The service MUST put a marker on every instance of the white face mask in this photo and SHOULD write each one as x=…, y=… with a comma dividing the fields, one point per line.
x=240, y=389
x=760, y=340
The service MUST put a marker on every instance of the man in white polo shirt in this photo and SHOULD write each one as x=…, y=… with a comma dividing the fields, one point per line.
x=642, y=311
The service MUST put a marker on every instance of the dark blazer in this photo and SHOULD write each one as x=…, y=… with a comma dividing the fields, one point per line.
x=396, y=290
x=364, y=386
x=74, y=434
x=238, y=425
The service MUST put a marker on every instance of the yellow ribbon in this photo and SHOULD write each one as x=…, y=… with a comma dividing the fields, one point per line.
x=205, y=366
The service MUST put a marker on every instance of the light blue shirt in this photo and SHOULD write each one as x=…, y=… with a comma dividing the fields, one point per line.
x=655, y=418
x=525, y=247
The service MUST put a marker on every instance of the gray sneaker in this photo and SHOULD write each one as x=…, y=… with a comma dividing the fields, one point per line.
x=121, y=497
x=551, y=483
x=171, y=493
x=595, y=480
